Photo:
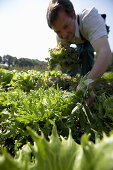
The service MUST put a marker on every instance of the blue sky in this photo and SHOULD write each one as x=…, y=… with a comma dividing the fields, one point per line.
x=24, y=31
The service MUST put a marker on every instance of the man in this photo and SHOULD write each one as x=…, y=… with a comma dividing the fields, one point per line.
x=87, y=30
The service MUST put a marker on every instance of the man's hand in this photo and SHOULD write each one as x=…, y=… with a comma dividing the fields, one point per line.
x=90, y=101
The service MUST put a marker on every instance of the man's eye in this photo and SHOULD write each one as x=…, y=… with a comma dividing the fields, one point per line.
x=65, y=26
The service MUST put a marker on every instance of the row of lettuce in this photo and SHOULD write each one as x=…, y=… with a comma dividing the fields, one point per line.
x=66, y=133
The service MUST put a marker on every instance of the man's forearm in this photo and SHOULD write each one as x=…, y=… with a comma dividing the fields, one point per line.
x=104, y=57
x=101, y=64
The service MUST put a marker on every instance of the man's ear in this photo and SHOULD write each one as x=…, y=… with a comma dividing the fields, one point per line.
x=74, y=15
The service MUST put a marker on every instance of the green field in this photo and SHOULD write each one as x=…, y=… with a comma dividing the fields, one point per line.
x=46, y=125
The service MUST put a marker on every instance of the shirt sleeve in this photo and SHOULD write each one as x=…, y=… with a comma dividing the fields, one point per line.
x=93, y=25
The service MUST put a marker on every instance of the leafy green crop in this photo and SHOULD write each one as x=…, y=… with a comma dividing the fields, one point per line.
x=38, y=100
x=35, y=109
x=5, y=78
x=61, y=153
x=21, y=106
x=33, y=80
x=66, y=57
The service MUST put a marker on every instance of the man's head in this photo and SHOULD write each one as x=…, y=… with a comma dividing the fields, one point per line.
x=61, y=18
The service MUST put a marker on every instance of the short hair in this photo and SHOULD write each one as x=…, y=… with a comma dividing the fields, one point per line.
x=55, y=6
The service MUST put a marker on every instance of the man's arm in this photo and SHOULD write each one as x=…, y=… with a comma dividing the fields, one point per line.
x=104, y=57
x=103, y=60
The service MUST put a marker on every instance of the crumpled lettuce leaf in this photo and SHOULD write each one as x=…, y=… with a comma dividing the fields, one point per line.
x=58, y=153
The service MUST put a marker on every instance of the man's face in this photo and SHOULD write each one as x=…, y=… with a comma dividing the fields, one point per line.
x=64, y=26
